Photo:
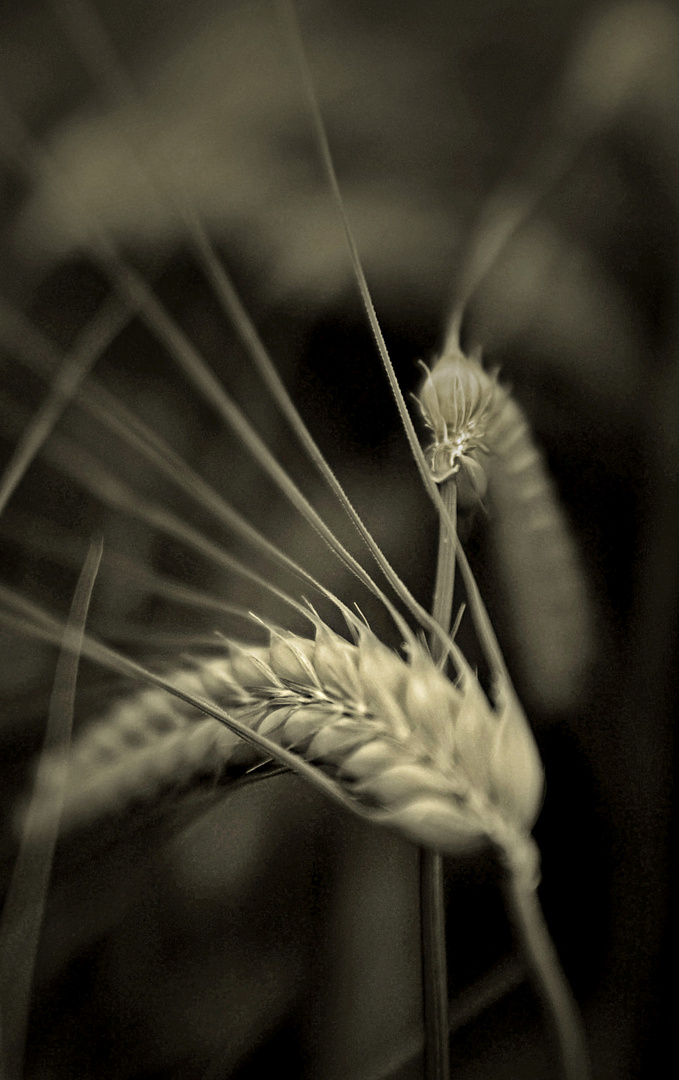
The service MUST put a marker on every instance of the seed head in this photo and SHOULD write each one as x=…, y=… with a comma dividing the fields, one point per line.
x=431, y=758
x=427, y=756
x=458, y=399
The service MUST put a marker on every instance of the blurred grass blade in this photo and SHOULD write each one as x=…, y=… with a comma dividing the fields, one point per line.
x=132, y=285
x=94, y=47
x=466, y=1007
x=38, y=353
x=44, y=538
x=91, y=344
x=26, y=897
x=289, y=20
x=561, y=1008
x=30, y=619
x=482, y=622
x=19, y=147
x=506, y=213
x=87, y=471
x=540, y=567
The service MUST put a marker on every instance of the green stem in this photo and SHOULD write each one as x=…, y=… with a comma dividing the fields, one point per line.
x=432, y=901
x=560, y=1005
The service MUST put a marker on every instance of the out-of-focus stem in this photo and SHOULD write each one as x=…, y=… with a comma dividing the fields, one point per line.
x=434, y=966
x=432, y=901
x=560, y=1005
x=445, y=568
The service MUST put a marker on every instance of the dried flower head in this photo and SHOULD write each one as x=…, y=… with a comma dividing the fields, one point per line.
x=458, y=399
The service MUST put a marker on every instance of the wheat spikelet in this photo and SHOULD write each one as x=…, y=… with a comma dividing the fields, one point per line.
x=458, y=399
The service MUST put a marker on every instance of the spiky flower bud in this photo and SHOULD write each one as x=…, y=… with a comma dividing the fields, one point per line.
x=413, y=750
x=458, y=399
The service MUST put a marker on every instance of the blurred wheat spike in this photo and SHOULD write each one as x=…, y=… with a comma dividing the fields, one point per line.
x=482, y=438
x=539, y=565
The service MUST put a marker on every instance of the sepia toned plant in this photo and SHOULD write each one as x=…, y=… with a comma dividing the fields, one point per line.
x=406, y=717
x=421, y=754
x=387, y=735
x=458, y=400
x=483, y=441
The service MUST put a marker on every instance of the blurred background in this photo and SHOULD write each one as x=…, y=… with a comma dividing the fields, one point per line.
x=220, y=933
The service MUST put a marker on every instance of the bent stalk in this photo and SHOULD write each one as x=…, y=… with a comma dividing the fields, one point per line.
x=562, y=1011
